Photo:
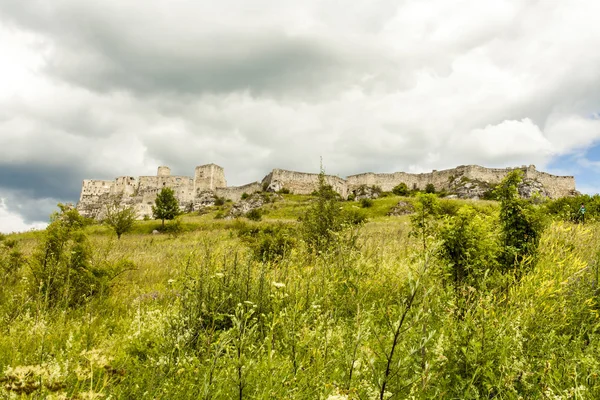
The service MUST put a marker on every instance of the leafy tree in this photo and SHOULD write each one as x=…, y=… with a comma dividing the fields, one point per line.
x=429, y=188
x=401, y=189
x=522, y=224
x=165, y=206
x=120, y=219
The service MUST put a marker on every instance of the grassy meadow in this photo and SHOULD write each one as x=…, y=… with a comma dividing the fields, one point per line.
x=240, y=309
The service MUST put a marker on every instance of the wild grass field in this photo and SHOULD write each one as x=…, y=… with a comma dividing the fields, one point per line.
x=418, y=306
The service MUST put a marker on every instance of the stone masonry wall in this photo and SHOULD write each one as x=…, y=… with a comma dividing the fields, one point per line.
x=141, y=192
x=234, y=193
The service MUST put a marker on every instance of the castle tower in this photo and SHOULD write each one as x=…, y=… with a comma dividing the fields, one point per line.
x=209, y=177
x=164, y=171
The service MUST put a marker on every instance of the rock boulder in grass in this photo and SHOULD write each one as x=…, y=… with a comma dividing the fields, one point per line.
x=253, y=202
x=402, y=208
x=366, y=192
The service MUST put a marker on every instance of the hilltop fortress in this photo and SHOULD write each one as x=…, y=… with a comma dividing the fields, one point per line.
x=210, y=180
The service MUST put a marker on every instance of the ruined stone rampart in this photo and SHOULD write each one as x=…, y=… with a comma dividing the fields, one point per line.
x=301, y=182
x=141, y=192
x=234, y=193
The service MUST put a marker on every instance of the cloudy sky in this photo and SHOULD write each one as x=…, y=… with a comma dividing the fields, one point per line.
x=98, y=89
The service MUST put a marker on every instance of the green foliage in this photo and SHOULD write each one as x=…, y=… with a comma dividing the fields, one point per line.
x=424, y=222
x=401, y=189
x=522, y=224
x=284, y=191
x=244, y=196
x=567, y=208
x=469, y=246
x=120, y=219
x=61, y=267
x=166, y=205
x=270, y=243
x=238, y=308
x=254, y=215
x=172, y=228
x=219, y=201
x=324, y=222
x=430, y=188
x=366, y=203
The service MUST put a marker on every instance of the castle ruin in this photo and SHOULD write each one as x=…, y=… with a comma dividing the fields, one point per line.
x=210, y=179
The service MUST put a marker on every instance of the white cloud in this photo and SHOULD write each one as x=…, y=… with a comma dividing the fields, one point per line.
x=117, y=87
x=12, y=222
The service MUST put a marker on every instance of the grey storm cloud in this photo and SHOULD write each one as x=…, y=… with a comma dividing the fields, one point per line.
x=96, y=90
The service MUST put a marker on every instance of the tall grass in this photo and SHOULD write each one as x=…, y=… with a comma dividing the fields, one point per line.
x=200, y=316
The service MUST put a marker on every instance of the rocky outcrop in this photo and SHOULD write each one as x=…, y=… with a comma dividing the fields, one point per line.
x=366, y=192
x=402, y=208
x=529, y=188
x=204, y=200
x=252, y=202
x=472, y=189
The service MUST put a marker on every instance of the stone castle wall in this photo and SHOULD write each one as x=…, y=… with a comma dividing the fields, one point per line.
x=141, y=192
x=302, y=183
x=234, y=193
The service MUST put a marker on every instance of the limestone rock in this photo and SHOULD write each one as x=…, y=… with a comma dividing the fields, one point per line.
x=275, y=186
x=366, y=192
x=254, y=201
x=402, y=208
x=530, y=187
x=204, y=199
x=465, y=188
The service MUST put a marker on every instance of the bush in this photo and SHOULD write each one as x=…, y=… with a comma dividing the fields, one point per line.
x=401, y=189
x=366, y=203
x=268, y=244
x=245, y=196
x=219, y=201
x=284, y=191
x=522, y=224
x=254, y=214
x=62, y=269
x=469, y=246
x=323, y=222
x=430, y=188
x=173, y=228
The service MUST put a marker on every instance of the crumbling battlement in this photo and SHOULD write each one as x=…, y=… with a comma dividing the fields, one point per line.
x=141, y=192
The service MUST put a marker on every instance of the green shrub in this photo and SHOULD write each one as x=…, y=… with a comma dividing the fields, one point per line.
x=219, y=201
x=62, y=269
x=323, y=222
x=284, y=191
x=270, y=243
x=401, y=189
x=522, y=224
x=366, y=203
x=430, y=188
x=254, y=214
x=469, y=246
x=245, y=196
x=173, y=228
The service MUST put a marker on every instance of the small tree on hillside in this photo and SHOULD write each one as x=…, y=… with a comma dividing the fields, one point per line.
x=165, y=206
x=521, y=223
x=120, y=219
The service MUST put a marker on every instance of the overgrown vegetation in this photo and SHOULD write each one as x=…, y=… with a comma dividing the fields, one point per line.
x=458, y=300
